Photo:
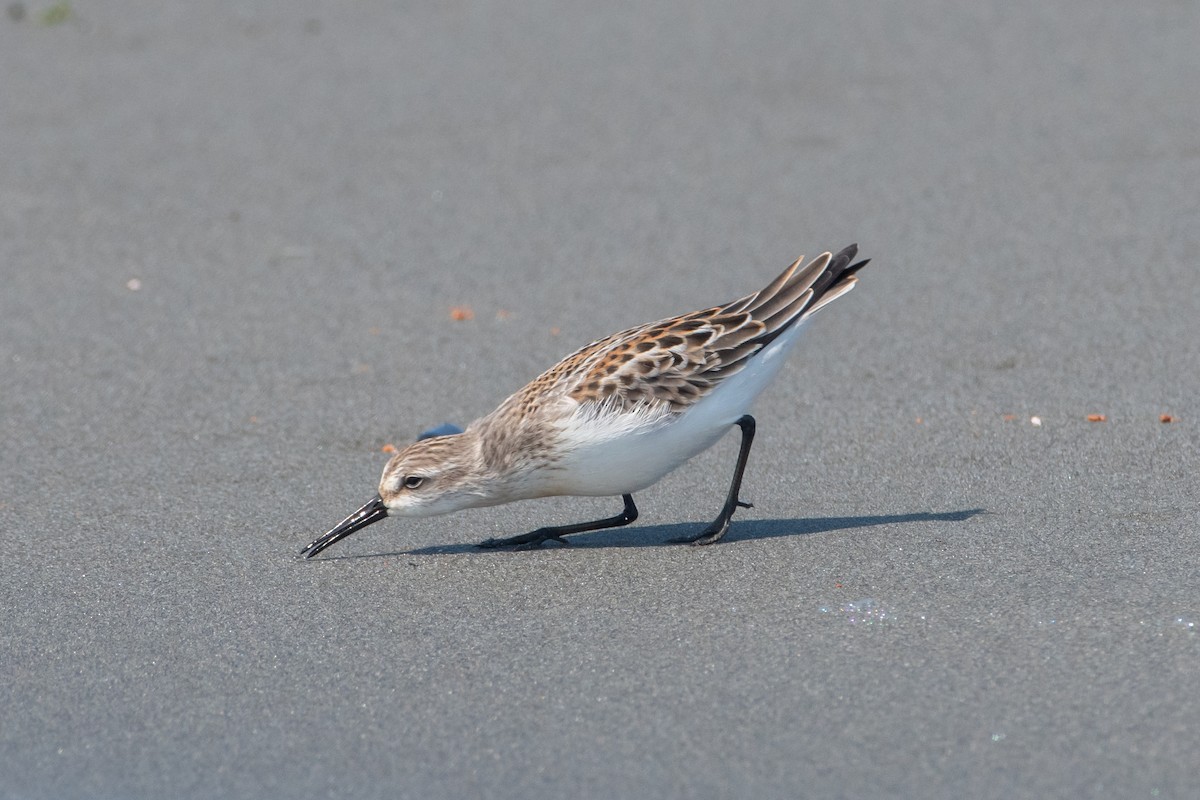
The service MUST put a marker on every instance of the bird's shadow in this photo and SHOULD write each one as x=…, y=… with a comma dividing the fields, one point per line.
x=658, y=535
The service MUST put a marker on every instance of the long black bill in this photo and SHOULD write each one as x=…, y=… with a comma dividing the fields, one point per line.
x=371, y=512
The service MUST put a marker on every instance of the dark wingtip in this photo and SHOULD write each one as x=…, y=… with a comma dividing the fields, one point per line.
x=853, y=268
x=838, y=267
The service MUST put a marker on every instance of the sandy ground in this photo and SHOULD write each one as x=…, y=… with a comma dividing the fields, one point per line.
x=231, y=242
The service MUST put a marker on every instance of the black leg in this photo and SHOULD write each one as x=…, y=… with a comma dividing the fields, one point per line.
x=530, y=541
x=716, y=530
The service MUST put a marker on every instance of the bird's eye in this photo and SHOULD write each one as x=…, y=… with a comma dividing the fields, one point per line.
x=413, y=481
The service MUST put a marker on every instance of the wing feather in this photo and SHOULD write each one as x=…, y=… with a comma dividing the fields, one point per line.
x=670, y=364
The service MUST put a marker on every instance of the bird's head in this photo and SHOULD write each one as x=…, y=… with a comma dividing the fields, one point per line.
x=429, y=477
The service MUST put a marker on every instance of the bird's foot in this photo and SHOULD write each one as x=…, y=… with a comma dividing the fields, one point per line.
x=526, y=541
x=716, y=530
x=709, y=535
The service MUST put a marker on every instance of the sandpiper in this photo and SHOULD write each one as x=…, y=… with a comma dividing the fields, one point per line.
x=615, y=416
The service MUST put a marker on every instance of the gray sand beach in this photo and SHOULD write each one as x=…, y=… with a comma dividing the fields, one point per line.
x=244, y=247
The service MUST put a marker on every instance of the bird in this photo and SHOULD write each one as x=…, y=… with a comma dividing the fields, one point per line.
x=615, y=416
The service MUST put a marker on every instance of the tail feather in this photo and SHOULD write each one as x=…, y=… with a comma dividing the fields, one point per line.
x=799, y=293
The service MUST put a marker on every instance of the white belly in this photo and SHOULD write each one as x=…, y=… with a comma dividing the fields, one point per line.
x=620, y=455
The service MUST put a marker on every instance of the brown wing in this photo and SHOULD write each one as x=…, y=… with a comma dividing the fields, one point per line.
x=679, y=360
